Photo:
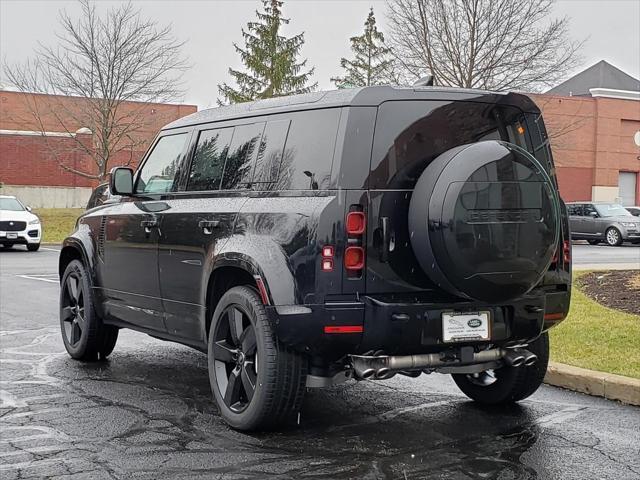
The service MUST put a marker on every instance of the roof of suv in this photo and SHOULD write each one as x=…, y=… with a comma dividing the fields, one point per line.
x=363, y=96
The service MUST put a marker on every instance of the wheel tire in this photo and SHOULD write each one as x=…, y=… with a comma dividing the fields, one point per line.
x=84, y=335
x=613, y=237
x=7, y=245
x=33, y=247
x=593, y=242
x=278, y=373
x=512, y=383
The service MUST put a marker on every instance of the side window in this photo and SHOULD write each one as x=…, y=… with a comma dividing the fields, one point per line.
x=308, y=153
x=159, y=171
x=238, y=168
x=588, y=209
x=208, y=160
x=575, y=210
x=270, y=154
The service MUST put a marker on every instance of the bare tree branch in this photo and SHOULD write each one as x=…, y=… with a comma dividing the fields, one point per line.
x=116, y=64
x=490, y=44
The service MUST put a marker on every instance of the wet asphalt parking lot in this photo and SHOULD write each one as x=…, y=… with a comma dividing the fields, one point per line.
x=147, y=413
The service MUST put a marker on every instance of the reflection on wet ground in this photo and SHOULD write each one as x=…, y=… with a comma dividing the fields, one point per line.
x=149, y=410
x=147, y=413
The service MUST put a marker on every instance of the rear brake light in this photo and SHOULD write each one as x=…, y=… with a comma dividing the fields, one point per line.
x=354, y=258
x=356, y=222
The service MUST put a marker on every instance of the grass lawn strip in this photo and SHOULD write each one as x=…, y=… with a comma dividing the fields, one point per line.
x=57, y=223
x=597, y=338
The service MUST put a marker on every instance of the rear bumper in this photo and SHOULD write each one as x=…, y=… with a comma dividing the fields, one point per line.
x=409, y=328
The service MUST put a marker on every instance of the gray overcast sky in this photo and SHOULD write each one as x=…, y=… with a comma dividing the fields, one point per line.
x=210, y=27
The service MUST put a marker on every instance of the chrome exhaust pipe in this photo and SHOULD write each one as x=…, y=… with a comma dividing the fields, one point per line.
x=514, y=358
x=381, y=366
x=530, y=358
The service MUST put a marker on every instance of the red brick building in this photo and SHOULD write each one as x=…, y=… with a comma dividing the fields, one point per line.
x=31, y=164
x=593, y=121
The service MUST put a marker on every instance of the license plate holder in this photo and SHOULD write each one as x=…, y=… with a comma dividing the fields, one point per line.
x=12, y=236
x=466, y=326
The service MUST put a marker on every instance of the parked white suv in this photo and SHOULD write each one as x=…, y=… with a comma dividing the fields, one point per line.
x=18, y=226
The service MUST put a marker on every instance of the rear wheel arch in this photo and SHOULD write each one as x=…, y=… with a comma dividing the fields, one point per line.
x=221, y=280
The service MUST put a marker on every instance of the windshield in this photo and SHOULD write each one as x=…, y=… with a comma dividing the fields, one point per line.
x=11, y=204
x=612, y=210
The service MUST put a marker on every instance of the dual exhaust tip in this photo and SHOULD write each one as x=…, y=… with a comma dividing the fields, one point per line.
x=519, y=357
x=381, y=367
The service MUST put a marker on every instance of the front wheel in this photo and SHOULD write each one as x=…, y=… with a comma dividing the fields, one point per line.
x=507, y=384
x=84, y=335
x=33, y=247
x=613, y=237
x=257, y=382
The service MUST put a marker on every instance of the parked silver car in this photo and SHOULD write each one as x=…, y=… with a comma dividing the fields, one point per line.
x=603, y=222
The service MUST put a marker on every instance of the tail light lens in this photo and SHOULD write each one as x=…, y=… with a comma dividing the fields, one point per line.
x=566, y=251
x=354, y=258
x=356, y=222
x=327, y=258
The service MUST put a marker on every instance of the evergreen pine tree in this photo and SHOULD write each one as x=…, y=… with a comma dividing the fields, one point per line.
x=372, y=64
x=270, y=60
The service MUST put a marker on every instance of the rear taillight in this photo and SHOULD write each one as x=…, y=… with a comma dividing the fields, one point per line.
x=354, y=252
x=356, y=223
x=354, y=258
x=566, y=251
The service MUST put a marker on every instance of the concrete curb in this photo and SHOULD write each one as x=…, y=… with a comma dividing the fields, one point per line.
x=599, y=384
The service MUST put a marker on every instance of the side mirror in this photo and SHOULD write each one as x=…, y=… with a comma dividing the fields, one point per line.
x=28, y=208
x=594, y=214
x=121, y=182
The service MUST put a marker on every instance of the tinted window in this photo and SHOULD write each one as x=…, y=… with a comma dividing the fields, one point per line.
x=208, y=160
x=270, y=154
x=308, y=153
x=574, y=209
x=588, y=209
x=410, y=135
x=159, y=171
x=238, y=168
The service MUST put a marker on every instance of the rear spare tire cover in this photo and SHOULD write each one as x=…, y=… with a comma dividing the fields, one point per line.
x=485, y=221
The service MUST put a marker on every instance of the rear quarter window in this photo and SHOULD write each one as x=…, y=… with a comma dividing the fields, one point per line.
x=308, y=154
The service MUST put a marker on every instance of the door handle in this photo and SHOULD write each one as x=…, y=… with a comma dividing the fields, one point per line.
x=207, y=226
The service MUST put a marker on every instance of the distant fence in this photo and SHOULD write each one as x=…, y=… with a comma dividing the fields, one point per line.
x=49, y=197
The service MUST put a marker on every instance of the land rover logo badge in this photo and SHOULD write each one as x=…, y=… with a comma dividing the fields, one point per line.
x=474, y=322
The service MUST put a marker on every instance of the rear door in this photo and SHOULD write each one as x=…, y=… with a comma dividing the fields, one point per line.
x=201, y=218
x=409, y=135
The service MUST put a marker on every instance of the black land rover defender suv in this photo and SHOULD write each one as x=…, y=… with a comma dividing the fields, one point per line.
x=361, y=233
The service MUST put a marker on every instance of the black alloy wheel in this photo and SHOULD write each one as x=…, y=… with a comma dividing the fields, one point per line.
x=72, y=312
x=257, y=382
x=235, y=358
x=84, y=335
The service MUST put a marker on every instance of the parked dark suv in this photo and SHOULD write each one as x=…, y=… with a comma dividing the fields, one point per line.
x=358, y=233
